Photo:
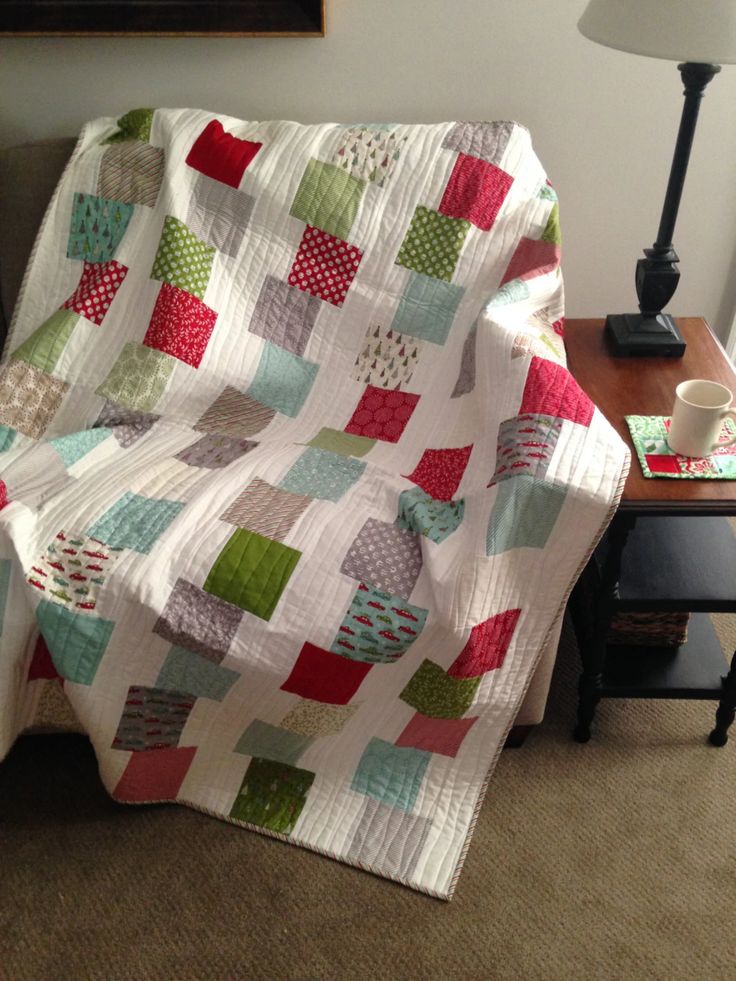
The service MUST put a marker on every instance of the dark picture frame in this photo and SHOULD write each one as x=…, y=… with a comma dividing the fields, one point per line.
x=162, y=18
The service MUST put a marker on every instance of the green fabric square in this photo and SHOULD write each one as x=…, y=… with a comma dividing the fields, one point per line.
x=427, y=308
x=391, y=774
x=282, y=380
x=138, y=378
x=272, y=795
x=432, y=244
x=552, y=231
x=186, y=671
x=272, y=743
x=433, y=692
x=345, y=443
x=98, y=226
x=328, y=198
x=252, y=572
x=523, y=514
x=135, y=522
x=134, y=125
x=319, y=473
x=76, y=641
x=43, y=348
x=183, y=259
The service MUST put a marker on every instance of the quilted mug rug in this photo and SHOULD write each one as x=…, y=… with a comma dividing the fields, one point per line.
x=295, y=481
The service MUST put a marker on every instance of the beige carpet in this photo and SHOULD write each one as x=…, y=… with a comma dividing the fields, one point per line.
x=614, y=860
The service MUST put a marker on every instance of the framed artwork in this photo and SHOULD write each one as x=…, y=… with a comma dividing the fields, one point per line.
x=163, y=18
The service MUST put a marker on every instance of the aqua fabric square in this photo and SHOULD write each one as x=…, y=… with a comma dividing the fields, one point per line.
x=283, y=380
x=76, y=445
x=97, y=227
x=272, y=743
x=378, y=627
x=135, y=522
x=420, y=513
x=427, y=308
x=76, y=641
x=7, y=435
x=391, y=774
x=186, y=671
x=322, y=474
x=523, y=514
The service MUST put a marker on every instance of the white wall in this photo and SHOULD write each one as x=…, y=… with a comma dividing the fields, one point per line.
x=603, y=122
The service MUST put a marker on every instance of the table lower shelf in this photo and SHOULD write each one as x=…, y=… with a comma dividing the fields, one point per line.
x=693, y=670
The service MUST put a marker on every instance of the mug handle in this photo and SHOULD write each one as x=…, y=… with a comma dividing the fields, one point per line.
x=730, y=411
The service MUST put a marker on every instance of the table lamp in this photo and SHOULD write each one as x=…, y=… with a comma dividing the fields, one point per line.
x=701, y=34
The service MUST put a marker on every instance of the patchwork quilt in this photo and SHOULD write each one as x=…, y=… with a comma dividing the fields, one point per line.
x=295, y=482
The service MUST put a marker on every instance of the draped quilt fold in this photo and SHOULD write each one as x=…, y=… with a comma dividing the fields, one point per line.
x=295, y=479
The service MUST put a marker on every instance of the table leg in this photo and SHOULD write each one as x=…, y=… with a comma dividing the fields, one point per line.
x=593, y=651
x=726, y=711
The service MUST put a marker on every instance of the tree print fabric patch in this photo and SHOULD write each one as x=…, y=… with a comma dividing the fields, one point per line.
x=98, y=226
x=387, y=358
x=138, y=378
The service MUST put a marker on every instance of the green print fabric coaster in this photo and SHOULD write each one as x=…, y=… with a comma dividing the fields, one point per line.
x=649, y=434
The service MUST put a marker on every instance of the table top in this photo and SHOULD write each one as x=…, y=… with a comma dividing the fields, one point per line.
x=645, y=386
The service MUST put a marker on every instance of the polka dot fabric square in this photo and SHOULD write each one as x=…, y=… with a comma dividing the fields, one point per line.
x=433, y=243
x=97, y=287
x=325, y=266
x=382, y=414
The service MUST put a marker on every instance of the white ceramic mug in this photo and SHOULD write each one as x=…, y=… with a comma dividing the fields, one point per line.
x=697, y=417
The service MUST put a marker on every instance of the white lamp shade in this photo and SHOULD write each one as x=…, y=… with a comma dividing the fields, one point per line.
x=682, y=30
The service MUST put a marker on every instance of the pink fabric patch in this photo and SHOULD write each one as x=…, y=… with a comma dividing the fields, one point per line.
x=325, y=266
x=439, y=472
x=476, y=190
x=325, y=677
x=443, y=736
x=532, y=258
x=550, y=390
x=154, y=774
x=220, y=155
x=97, y=288
x=3, y=494
x=559, y=327
x=382, y=414
x=180, y=325
x=662, y=463
x=486, y=647
x=42, y=665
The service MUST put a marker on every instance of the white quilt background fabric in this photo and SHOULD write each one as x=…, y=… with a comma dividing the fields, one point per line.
x=254, y=385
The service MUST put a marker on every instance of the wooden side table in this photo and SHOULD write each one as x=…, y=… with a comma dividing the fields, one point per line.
x=669, y=546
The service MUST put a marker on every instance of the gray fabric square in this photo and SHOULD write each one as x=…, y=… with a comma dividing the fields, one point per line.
x=128, y=425
x=485, y=140
x=235, y=414
x=215, y=450
x=466, y=379
x=389, y=839
x=198, y=621
x=385, y=556
x=219, y=214
x=153, y=718
x=526, y=445
x=284, y=315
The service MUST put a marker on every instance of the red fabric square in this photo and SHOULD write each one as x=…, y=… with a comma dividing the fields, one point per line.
x=382, y=414
x=550, y=390
x=324, y=266
x=180, y=325
x=325, y=677
x=41, y=664
x=221, y=155
x=662, y=463
x=486, y=647
x=98, y=285
x=443, y=736
x=559, y=327
x=154, y=775
x=439, y=472
x=476, y=190
x=532, y=258
x=3, y=494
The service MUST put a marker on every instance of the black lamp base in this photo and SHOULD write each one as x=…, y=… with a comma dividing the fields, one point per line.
x=632, y=334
